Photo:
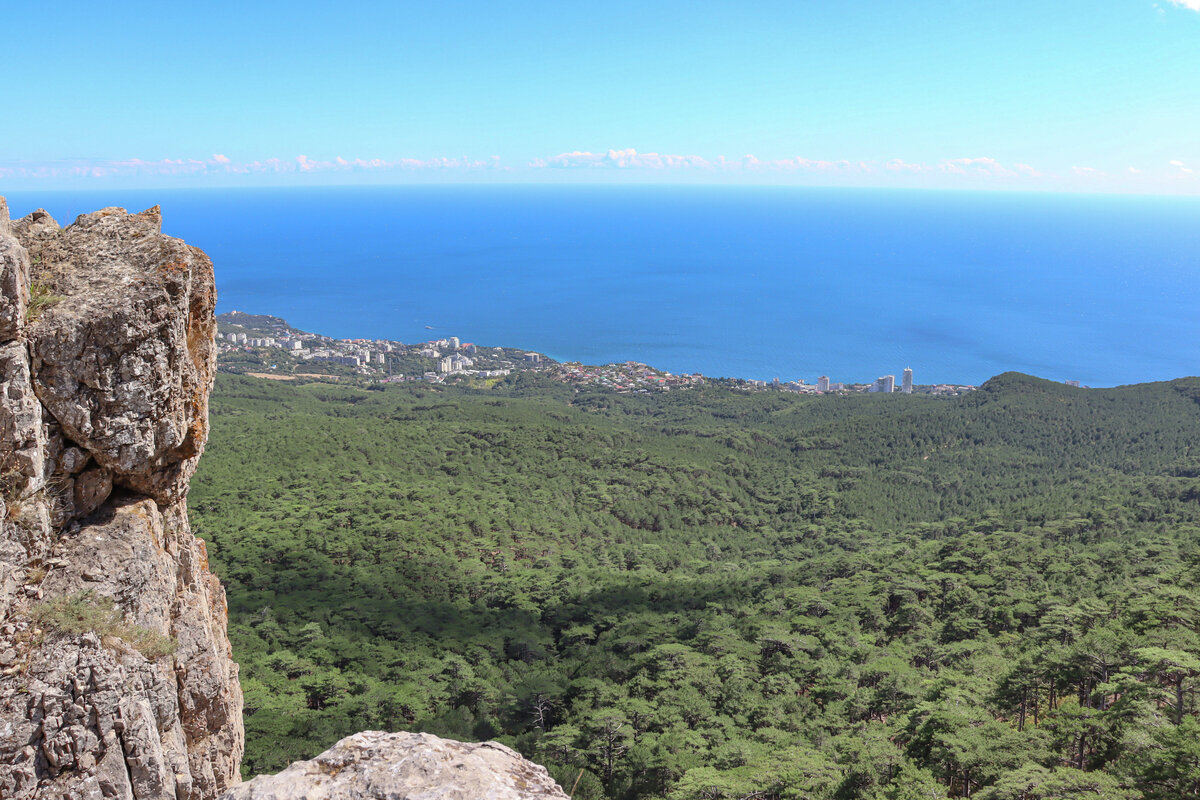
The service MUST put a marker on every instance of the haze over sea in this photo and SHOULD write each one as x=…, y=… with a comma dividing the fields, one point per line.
x=748, y=282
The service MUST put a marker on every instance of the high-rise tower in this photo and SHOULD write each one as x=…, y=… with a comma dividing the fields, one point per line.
x=906, y=381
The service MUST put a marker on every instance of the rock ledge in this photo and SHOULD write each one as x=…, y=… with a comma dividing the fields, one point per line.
x=406, y=766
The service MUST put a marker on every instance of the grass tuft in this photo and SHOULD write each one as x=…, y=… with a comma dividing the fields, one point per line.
x=85, y=612
x=41, y=298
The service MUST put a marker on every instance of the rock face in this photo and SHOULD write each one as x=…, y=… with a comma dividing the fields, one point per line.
x=405, y=766
x=116, y=679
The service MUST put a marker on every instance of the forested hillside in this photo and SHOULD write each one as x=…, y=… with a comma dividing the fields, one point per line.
x=719, y=594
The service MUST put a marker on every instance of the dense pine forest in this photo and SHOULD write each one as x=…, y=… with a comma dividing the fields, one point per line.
x=718, y=594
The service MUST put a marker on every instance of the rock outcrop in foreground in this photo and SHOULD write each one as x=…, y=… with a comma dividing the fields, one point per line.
x=115, y=672
x=406, y=766
x=116, y=679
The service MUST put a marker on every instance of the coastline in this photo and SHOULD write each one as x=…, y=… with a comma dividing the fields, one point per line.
x=266, y=346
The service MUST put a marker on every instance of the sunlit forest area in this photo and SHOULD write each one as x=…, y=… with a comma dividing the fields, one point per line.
x=719, y=594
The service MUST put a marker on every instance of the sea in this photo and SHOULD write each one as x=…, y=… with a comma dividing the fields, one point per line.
x=750, y=282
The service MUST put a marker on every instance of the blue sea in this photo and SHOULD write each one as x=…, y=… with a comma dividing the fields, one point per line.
x=748, y=282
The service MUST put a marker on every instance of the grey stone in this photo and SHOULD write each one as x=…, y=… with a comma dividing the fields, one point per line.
x=14, y=284
x=124, y=361
x=73, y=459
x=37, y=225
x=92, y=487
x=406, y=766
x=108, y=386
x=21, y=454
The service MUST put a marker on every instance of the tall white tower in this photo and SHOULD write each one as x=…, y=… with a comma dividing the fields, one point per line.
x=823, y=383
x=906, y=383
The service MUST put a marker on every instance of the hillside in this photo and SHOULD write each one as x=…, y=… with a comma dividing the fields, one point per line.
x=720, y=594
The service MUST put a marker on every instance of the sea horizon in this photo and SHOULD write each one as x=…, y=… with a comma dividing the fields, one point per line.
x=730, y=281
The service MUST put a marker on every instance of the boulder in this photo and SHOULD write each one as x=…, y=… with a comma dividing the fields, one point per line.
x=406, y=766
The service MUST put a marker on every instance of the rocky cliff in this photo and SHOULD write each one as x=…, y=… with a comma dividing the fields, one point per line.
x=115, y=672
x=116, y=679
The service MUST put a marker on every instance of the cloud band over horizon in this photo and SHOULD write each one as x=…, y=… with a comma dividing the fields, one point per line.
x=972, y=171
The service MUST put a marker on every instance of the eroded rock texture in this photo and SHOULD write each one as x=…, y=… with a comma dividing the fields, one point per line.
x=106, y=363
x=406, y=766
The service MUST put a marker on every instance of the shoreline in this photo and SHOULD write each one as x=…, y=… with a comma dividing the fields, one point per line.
x=266, y=346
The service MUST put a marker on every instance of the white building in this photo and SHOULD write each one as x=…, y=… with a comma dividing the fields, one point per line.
x=453, y=342
x=454, y=363
x=885, y=384
x=906, y=383
x=823, y=383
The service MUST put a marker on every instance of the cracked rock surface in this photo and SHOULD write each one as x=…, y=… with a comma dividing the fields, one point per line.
x=106, y=363
x=406, y=766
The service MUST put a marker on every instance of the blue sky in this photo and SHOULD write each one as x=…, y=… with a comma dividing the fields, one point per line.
x=1067, y=96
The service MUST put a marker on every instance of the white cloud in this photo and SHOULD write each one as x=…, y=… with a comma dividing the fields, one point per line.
x=1194, y=5
x=900, y=165
x=628, y=158
x=799, y=164
x=967, y=172
x=221, y=164
x=983, y=166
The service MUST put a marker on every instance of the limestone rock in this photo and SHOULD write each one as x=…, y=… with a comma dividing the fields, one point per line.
x=406, y=766
x=22, y=458
x=14, y=282
x=103, y=413
x=124, y=357
x=38, y=225
x=25, y=526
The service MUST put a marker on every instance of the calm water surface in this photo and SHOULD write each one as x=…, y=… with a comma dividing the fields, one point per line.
x=748, y=282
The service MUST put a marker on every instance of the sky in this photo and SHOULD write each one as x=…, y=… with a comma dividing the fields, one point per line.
x=1013, y=95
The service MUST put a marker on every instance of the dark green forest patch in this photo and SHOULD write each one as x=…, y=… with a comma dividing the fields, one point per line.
x=720, y=594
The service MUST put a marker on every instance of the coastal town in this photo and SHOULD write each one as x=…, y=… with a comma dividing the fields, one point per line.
x=265, y=346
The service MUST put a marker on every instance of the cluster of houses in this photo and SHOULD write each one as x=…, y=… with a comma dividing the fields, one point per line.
x=628, y=377
x=286, y=343
x=826, y=386
x=375, y=358
x=451, y=359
